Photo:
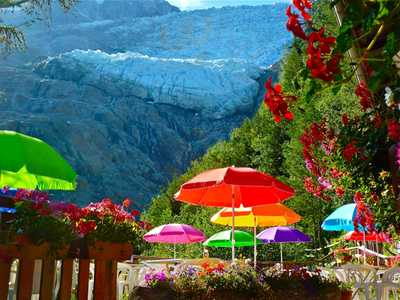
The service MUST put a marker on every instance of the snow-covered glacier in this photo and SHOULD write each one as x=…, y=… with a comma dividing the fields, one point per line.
x=130, y=94
x=216, y=88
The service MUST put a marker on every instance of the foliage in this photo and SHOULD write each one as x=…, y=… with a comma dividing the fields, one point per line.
x=300, y=283
x=242, y=282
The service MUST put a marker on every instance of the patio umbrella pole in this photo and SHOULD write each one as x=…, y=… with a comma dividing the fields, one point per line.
x=255, y=243
x=377, y=250
x=365, y=247
x=233, y=225
x=281, y=256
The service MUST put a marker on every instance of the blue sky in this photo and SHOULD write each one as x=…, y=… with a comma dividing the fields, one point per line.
x=201, y=4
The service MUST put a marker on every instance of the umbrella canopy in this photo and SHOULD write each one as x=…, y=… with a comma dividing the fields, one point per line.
x=263, y=216
x=342, y=219
x=223, y=239
x=283, y=235
x=174, y=234
x=29, y=163
x=233, y=187
x=371, y=237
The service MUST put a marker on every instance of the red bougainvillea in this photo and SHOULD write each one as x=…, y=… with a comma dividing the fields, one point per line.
x=345, y=119
x=321, y=63
x=393, y=128
x=366, y=98
x=277, y=102
x=293, y=24
x=350, y=150
x=302, y=6
x=364, y=216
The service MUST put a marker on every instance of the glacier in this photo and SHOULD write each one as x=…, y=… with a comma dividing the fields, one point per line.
x=215, y=88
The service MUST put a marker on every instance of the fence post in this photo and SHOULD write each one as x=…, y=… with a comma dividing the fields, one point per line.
x=47, y=279
x=25, y=279
x=5, y=268
x=66, y=279
x=83, y=279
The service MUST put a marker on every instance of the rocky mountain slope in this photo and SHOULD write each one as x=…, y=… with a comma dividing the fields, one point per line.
x=131, y=101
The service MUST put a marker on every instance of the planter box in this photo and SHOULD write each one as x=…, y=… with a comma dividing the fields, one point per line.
x=229, y=295
x=110, y=251
x=346, y=295
x=143, y=293
x=22, y=248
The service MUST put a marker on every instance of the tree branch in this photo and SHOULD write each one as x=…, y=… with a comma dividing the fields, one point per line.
x=10, y=3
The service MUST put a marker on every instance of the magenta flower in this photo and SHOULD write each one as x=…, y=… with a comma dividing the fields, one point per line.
x=325, y=183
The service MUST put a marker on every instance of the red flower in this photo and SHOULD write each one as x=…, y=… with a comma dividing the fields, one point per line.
x=126, y=203
x=339, y=192
x=220, y=267
x=345, y=119
x=393, y=128
x=335, y=173
x=135, y=212
x=377, y=121
x=302, y=5
x=86, y=227
x=366, y=98
x=349, y=151
x=293, y=24
x=321, y=63
x=364, y=216
x=277, y=101
x=309, y=185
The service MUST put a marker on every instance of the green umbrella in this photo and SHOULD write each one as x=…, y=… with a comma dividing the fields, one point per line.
x=224, y=239
x=29, y=163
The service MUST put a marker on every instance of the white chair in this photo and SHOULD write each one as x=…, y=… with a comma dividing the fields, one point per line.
x=340, y=274
x=91, y=281
x=37, y=274
x=13, y=280
x=390, y=283
x=362, y=277
x=124, y=279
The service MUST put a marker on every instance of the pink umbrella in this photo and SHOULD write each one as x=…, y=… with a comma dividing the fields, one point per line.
x=174, y=234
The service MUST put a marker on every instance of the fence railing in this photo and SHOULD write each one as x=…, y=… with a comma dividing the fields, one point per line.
x=57, y=270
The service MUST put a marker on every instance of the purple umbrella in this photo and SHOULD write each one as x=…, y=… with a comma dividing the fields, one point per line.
x=283, y=235
x=174, y=234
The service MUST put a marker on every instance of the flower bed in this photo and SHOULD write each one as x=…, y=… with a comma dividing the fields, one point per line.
x=236, y=282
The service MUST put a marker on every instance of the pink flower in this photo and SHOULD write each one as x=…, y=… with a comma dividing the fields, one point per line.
x=324, y=183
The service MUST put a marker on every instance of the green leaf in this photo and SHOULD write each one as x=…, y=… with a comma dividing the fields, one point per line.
x=344, y=41
x=336, y=89
x=383, y=11
x=391, y=46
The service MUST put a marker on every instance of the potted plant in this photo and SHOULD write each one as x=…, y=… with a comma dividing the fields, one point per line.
x=107, y=229
x=37, y=229
x=157, y=286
